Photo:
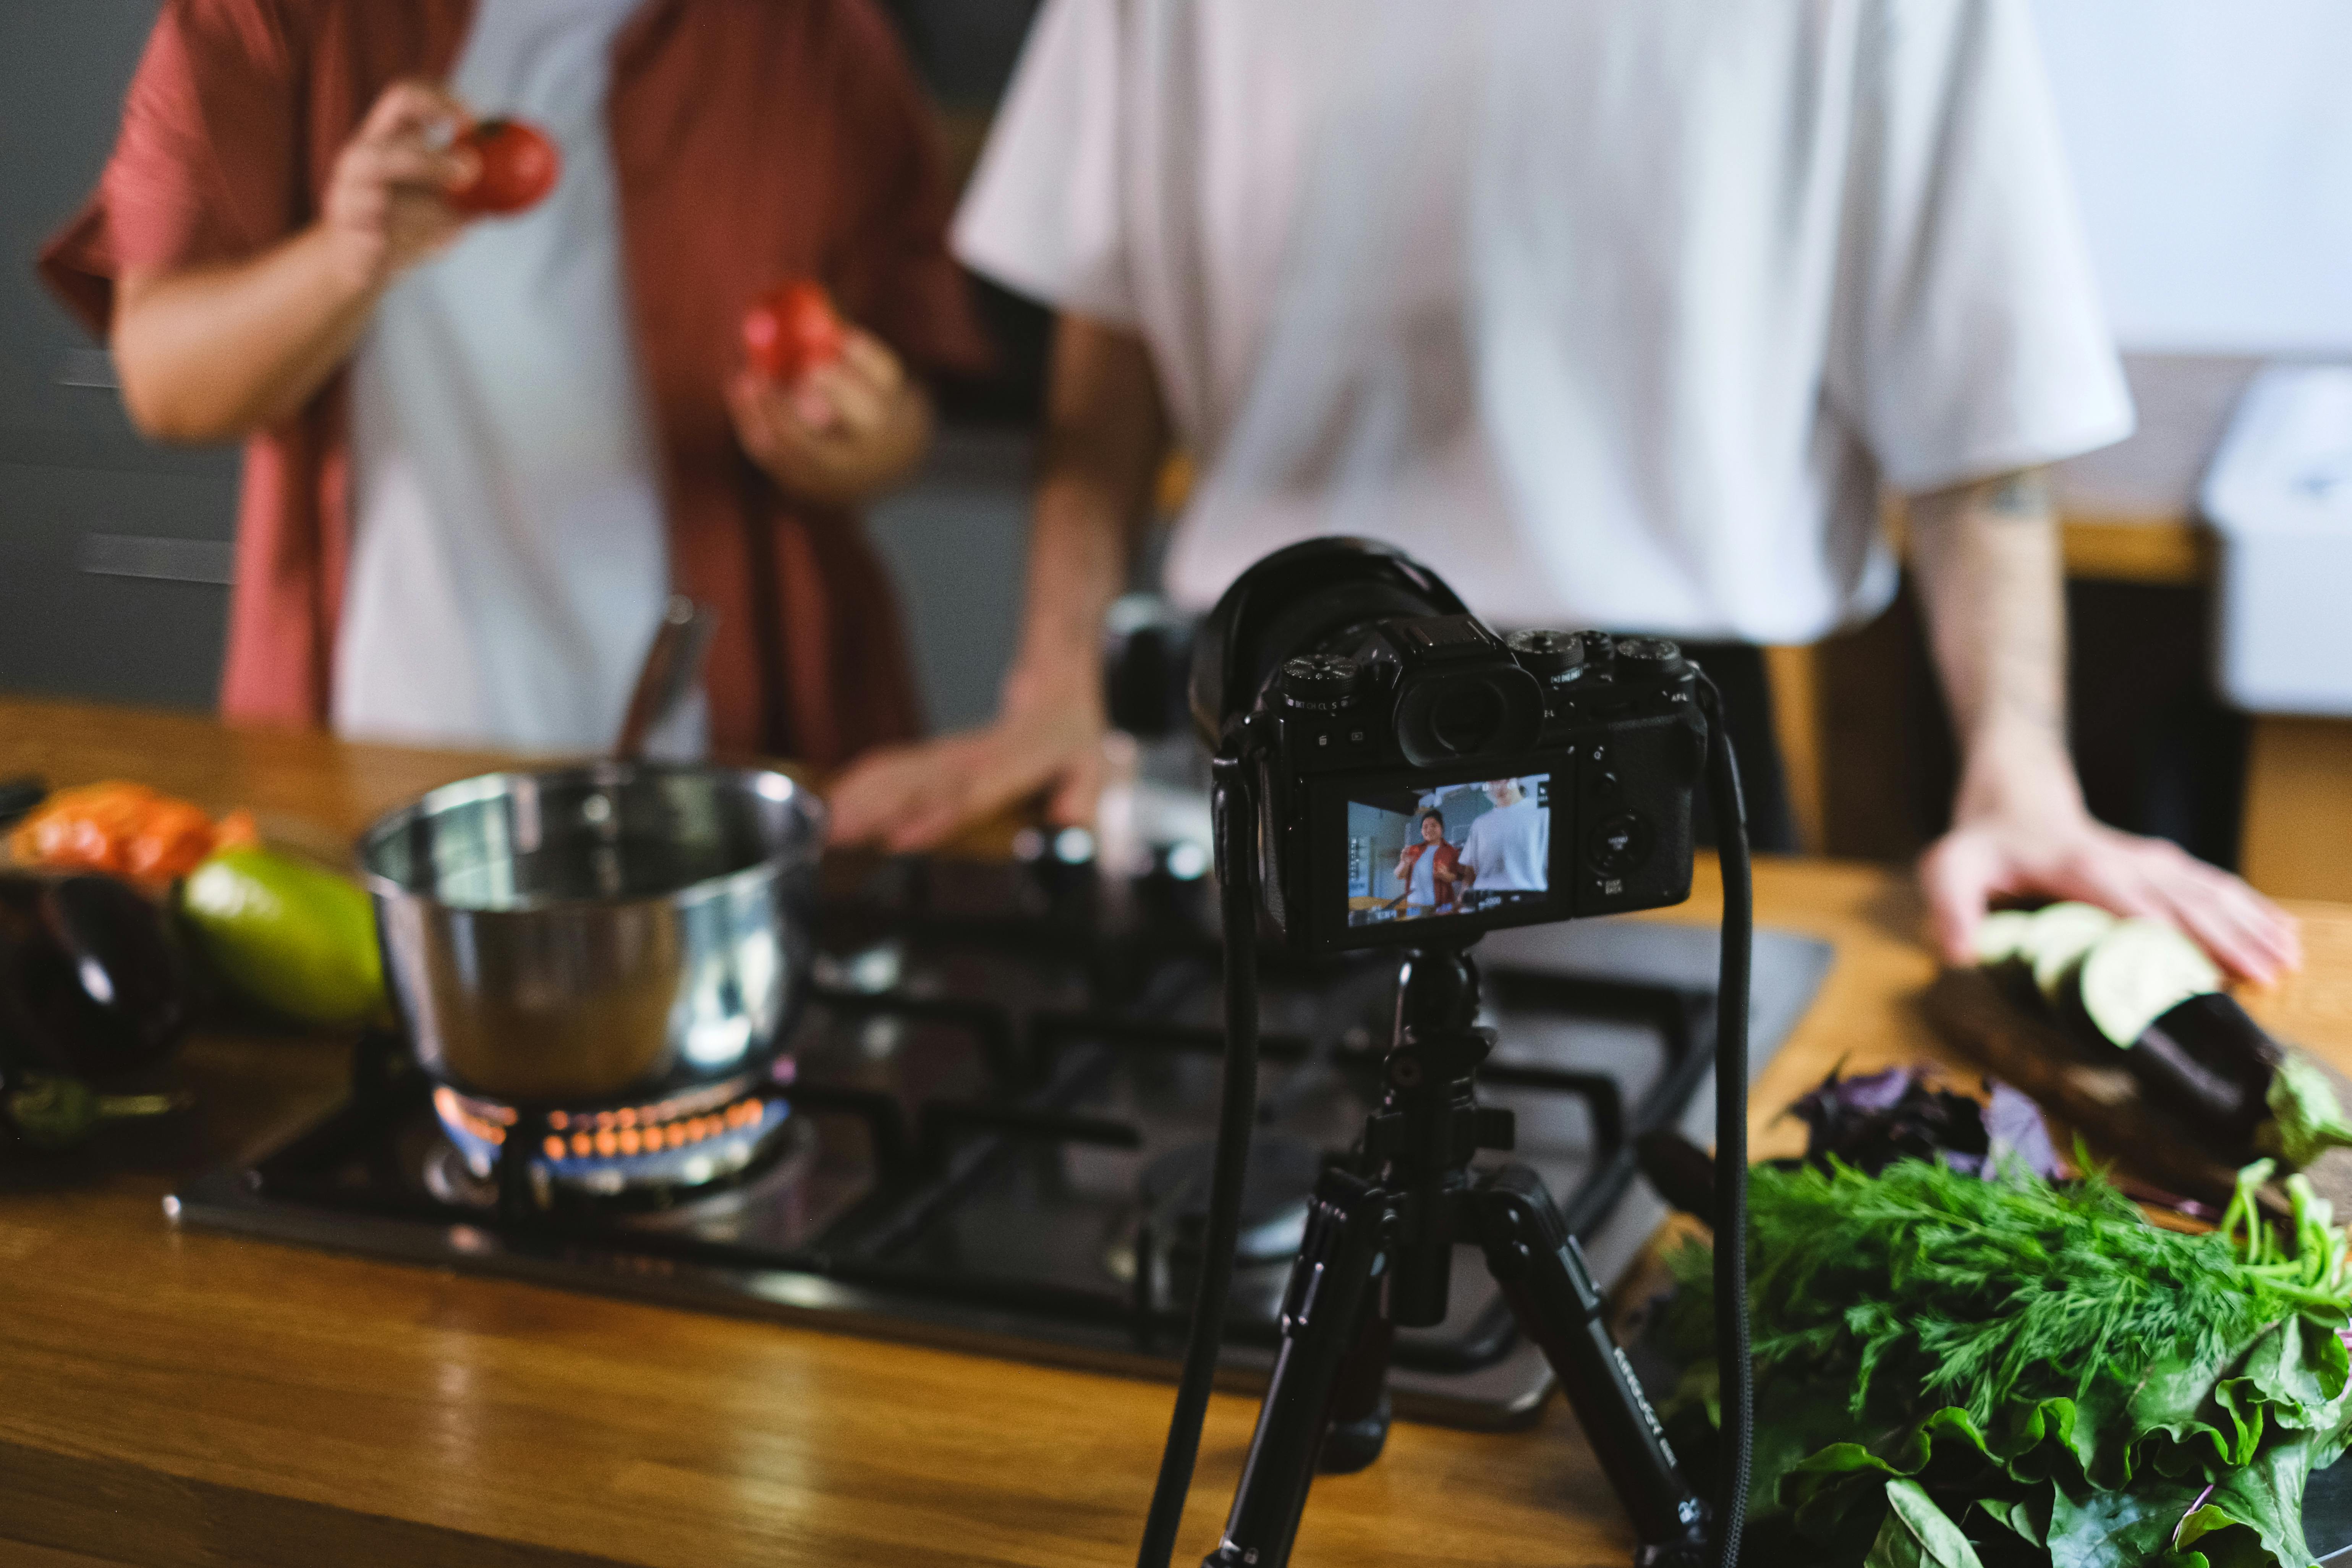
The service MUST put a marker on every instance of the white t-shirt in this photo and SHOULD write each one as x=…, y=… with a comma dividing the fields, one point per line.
x=509, y=561
x=1421, y=882
x=1510, y=847
x=1615, y=313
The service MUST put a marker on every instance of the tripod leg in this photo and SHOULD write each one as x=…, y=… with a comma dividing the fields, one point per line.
x=1358, y=1428
x=1541, y=1272
x=1322, y=1314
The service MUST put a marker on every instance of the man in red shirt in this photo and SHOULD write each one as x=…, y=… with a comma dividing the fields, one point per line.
x=277, y=189
x=1429, y=890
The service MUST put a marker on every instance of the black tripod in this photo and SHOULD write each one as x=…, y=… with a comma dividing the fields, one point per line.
x=1378, y=1254
x=1378, y=1249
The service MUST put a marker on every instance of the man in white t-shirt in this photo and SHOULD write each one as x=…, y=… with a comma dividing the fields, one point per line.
x=1615, y=315
x=1509, y=850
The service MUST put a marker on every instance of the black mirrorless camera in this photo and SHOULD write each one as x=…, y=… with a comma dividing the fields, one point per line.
x=1422, y=779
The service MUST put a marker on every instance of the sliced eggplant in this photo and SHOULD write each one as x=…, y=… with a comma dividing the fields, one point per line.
x=2060, y=936
x=1999, y=936
x=2138, y=972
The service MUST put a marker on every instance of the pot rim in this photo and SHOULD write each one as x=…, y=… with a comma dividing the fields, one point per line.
x=771, y=782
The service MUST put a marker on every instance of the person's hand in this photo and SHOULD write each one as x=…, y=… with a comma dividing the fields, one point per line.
x=1048, y=739
x=382, y=211
x=842, y=432
x=2021, y=831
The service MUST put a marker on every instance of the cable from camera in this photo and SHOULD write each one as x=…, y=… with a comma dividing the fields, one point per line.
x=1739, y=1390
x=1237, y=821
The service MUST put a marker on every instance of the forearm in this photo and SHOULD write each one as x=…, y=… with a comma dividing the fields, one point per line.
x=215, y=353
x=1104, y=438
x=1987, y=559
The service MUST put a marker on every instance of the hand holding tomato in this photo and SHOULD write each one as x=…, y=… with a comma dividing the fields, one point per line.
x=382, y=211
x=417, y=168
x=843, y=422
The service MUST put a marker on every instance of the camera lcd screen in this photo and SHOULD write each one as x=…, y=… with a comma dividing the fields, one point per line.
x=1454, y=850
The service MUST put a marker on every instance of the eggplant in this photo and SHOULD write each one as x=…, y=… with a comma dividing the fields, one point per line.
x=2142, y=988
x=92, y=983
x=2210, y=1062
x=2138, y=972
x=2150, y=992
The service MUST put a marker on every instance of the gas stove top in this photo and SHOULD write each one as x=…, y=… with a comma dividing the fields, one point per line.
x=992, y=1127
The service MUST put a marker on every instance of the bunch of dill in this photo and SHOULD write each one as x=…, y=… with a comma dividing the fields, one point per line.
x=1943, y=1289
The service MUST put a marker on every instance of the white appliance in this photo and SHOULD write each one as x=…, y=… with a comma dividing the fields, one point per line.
x=2279, y=494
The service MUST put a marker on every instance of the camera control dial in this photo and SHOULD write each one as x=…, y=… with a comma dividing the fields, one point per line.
x=1547, y=655
x=1318, y=682
x=1648, y=658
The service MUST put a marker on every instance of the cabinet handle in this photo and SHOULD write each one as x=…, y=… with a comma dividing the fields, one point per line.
x=87, y=367
x=212, y=561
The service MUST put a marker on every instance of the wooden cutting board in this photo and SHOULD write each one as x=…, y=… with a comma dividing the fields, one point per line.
x=2091, y=1091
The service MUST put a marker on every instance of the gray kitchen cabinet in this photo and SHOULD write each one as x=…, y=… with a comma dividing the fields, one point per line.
x=112, y=583
x=112, y=550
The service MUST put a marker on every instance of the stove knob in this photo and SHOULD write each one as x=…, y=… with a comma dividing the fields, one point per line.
x=1648, y=658
x=1318, y=681
x=1545, y=655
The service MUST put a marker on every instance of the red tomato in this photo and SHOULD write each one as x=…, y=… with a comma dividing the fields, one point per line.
x=518, y=167
x=791, y=331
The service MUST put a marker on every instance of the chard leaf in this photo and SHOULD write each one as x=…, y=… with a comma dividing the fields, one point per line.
x=2021, y=1515
x=2099, y=1527
x=2255, y=1515
x=1915, y=1533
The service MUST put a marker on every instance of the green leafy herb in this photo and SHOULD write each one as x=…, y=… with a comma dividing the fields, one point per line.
x=2037, y=1367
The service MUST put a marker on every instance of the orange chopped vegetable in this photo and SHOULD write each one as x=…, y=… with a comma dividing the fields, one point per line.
x=126, y=830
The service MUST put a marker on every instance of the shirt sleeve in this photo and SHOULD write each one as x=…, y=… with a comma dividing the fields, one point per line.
x=893, y=269
x=205, y=166
x=1046, y=215
x=1971, y=338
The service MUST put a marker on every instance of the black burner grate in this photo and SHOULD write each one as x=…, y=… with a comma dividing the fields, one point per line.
x=976, y=1142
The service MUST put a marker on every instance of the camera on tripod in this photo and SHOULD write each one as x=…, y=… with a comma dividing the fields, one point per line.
x=1414, y=766
x=1391, y=774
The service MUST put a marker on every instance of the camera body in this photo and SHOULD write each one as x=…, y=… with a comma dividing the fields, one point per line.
x=1420, y=779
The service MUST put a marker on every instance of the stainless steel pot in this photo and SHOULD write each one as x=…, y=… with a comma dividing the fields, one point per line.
x=614, y=931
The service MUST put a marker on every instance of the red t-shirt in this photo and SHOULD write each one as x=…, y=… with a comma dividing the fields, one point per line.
x=752, y=140
x=1449, y=856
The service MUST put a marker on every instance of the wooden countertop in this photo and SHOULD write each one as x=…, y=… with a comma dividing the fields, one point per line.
x=174, y=1399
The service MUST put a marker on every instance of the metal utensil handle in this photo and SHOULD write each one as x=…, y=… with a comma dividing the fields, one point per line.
x=672, y=666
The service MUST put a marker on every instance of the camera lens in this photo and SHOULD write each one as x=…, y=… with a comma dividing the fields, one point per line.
x=1466, y=716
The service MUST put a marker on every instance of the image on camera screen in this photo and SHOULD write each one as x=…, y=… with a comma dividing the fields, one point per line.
x=1455, y=849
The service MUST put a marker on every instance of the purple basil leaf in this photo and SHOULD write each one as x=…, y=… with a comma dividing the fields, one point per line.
x=2014, y=1127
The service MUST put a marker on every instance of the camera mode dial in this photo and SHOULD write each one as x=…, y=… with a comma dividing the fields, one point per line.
x=1547, y=655
x=1318, y=682
x=1648, y=658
